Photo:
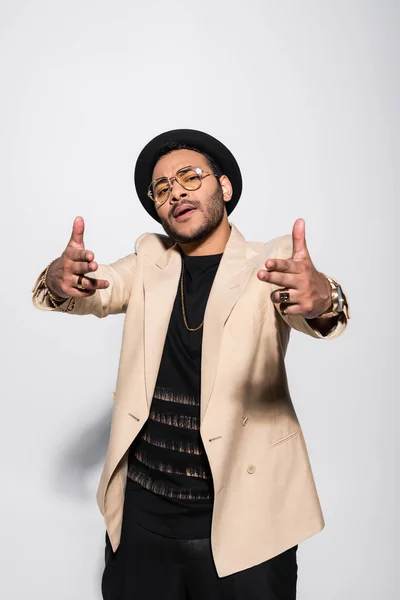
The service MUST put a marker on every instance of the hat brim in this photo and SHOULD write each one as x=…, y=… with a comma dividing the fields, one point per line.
x=191, y=137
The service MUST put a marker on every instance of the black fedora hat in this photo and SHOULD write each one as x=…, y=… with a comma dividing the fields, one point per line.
x=203, y=142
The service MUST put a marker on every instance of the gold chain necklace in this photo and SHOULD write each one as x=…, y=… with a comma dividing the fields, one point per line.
x=183, y=304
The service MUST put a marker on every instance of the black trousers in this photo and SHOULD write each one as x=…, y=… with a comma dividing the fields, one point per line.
x=149, y=566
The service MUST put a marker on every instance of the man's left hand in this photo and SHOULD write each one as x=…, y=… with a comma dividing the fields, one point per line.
x=310, y=291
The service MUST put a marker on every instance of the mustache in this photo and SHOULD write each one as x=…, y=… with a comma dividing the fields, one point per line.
x=193, y=203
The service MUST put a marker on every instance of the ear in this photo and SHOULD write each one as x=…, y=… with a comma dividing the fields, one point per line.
x=226, y=188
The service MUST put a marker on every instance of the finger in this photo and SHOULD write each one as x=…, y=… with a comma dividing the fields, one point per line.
x=78, y=229
x=287, y=280
x=282, y=307
x=300, y=250
x=294, y=296
x=80, y=268
x=290, y=309
x=79, y=255
x=81, y=261
x=282, y=265
x=89, y=283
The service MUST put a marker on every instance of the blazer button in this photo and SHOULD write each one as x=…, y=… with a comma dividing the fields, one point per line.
x=251, y=469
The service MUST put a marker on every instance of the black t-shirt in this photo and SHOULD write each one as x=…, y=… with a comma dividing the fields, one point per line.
x=169, y=487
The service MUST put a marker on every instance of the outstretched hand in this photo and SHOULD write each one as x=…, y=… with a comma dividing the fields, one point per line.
x=309, y=290
x=75, y=262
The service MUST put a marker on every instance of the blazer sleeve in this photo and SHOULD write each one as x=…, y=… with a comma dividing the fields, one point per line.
x=112, y=300
x=298, y=322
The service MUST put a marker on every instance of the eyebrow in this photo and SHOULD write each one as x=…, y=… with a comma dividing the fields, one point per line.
x=180, y=169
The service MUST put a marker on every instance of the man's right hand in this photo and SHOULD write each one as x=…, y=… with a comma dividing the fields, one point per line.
x=62, y=276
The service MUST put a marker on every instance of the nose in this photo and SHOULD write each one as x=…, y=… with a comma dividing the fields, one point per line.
x=177, y=192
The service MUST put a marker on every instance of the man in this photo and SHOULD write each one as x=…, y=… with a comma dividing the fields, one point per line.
x=206, y=489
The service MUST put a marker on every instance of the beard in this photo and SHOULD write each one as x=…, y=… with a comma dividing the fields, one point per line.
x=213, y=210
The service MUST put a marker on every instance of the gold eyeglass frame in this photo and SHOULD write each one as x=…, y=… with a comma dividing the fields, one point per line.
x=169, y=180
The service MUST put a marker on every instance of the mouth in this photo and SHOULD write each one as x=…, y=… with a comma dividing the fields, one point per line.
x=183, y=212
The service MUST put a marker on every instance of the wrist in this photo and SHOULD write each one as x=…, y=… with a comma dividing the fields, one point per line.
x=49, y=282
x=328, y=301
x=55, y=299
x=337, y=301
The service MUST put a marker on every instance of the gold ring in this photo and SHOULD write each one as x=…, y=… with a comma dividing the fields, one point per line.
x=79, y=284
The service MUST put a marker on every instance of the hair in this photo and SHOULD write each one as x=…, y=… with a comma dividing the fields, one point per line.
x=172, y=146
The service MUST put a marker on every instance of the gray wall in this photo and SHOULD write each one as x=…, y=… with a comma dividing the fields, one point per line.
x=306, y=94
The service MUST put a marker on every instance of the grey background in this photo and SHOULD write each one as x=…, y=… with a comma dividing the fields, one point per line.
x=306, y=95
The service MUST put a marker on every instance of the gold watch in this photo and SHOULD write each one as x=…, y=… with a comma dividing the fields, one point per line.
x=338, y=300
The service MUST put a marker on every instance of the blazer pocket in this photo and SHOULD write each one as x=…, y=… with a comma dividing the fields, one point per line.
x=287, y=437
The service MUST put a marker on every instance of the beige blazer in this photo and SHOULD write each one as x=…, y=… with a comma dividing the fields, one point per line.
x=265, y=498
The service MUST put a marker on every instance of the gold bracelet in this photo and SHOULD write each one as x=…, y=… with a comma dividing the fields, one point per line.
x=53, y=299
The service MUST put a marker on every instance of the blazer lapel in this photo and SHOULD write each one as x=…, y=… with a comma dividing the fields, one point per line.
x=161, y=280
x=233, y=273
